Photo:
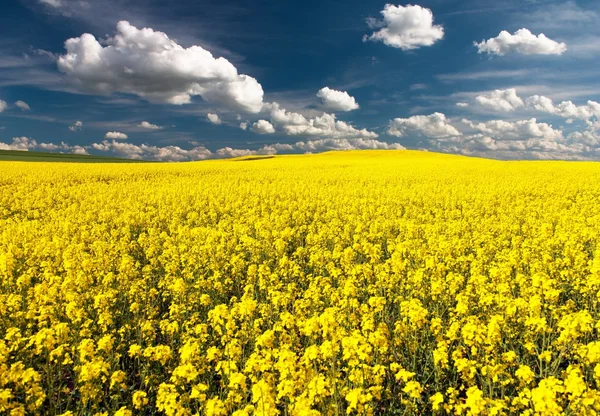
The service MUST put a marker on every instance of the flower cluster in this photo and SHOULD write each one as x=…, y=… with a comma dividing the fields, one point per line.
x=376, y=282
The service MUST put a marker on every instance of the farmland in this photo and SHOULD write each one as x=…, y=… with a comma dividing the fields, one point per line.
x=18, y=155
x=367, y=282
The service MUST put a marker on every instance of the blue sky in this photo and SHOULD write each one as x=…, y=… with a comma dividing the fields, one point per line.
x=242, y=77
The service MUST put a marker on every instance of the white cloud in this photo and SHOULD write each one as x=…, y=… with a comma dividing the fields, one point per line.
x=51, y=3
x=77, y=126
x=501, y=100
x=523, y=139
x=25, y=144
x=406, y=28
x=149, y=126
x=146, y=152
x=62, y=147
x=244, y=126
x=176, y=153
x=3, y=106
x=23, y=105
x=433, y=126
x=263, y=127
x=148, y=64
x=541, y=103
x=334, y=100
x=345, y=144
x=462, y=105
x=280, y=116
x=564, y=109
x=78, y=150
x=226, y=152
x=244, y=93
x=518, y=130
x=587, y=137
x=19, y=143
x=213, y=118
x=52, y=147
x=324, y=126
x=115, y=135
x=523, y=42
x=282, y=146
x=327, y=126
x=484, y=145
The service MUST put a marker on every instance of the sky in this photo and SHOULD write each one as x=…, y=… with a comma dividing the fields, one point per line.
x=194, y=80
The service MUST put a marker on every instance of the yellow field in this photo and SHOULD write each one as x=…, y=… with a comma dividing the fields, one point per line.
x=376, y=282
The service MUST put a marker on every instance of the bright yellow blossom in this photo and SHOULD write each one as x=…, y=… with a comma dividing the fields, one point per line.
x=364, y=283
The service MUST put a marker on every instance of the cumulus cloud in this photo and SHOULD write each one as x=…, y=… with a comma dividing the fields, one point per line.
x=244, y=126
x=79, y=150
x=175, y=153
x=501, y=100
x=263, y=127
x=213, y=118
x=227, y=152
x=588, y=137
x=23, y=105
x=345, y=144
x=19, y=143
x=523, y=42
x=149, y=126
x=523, y=139
x=3, y=106
x=327, y=126
x=484, y=145
x=115, y=135
x=463, y=105
x=334, y=100
x=280, y=147
x=147, y=152
x=564, y=109
x=52, y=147
x=432, y=126
x=77, y=126
x=149, y=64
x=198, y=152
x=518, y=130
x=405, y=27
x=324, y=126
x=62, y=147
x=26, y=144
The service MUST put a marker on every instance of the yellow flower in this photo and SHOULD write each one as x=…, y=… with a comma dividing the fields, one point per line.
x=117, y=379
x=135, y=350
x=123, y=411
x=139, y=399
x=214, y=407
x=413, y=389
x=436, y=401
x=525, y=374
x=475, y=402
x=347, y=282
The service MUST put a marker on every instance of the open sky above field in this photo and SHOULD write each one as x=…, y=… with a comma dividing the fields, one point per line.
x=191, y=80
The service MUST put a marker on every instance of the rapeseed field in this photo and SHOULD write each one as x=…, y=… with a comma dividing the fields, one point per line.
x=351, y=283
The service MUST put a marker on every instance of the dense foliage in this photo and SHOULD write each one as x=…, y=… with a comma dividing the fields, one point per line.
x=372, y=282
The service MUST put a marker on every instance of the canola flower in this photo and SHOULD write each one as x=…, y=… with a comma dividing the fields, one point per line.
x=368, y=283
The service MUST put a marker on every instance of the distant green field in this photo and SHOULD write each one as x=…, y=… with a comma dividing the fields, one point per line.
x=17, y=155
